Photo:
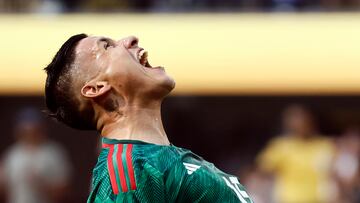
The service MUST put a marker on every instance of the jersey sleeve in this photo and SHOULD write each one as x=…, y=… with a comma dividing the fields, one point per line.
x=189, y=182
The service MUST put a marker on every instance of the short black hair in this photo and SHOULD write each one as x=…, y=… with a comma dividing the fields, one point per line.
x=60, y=99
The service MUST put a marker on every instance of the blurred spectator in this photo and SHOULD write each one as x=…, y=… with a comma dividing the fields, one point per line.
x=106, y=5
x=35, y=169
x=51, y=7
x=300, y=161
x=72, y=5
x=339, y=4
x=55, y=6
x=19, y=5
x=285, y=5
x=347, y=168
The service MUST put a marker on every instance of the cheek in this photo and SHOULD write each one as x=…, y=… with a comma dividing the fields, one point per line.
x=120, y=55
x=121, y=61
x=123, y=74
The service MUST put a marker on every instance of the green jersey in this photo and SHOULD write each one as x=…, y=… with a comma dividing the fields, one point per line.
x=135, y=171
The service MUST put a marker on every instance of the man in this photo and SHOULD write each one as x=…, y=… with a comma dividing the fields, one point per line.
x=300, y=160
x=101, y=84
x=35, y=169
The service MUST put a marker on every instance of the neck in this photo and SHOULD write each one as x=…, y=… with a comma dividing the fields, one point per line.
x=135, y=122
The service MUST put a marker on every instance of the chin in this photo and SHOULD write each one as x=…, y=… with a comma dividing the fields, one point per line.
x=167, y=86
x=170, y=83
x=162, y=88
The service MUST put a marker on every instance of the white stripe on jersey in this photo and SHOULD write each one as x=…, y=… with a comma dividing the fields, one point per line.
x=191, y=168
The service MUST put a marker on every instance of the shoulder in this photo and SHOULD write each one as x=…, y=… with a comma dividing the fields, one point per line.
x=14, y=153
x=281, y=140
x=281, y=144
x=159, y=157
x=191, y=169
x=194, y=179
x=324, y=140
x=325, y=143
x=53, y=148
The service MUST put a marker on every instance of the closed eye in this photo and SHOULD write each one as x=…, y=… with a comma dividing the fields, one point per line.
x=106, y=42
x=107, y=45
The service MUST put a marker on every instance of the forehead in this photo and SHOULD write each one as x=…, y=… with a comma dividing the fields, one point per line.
x=87, y=45
x=85, y=54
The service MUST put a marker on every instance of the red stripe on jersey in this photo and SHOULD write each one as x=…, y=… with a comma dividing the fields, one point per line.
x=111, y=170
x=121, y=169
x=105, y=145
x=130, y=166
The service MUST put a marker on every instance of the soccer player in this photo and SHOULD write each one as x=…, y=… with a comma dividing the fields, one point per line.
x=97, y=83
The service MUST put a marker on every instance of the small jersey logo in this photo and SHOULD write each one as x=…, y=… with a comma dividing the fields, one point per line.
x=191, y=168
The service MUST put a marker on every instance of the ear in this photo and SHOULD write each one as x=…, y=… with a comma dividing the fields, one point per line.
x=95, y=89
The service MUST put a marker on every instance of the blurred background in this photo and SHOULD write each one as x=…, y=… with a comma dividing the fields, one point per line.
x=268, y=90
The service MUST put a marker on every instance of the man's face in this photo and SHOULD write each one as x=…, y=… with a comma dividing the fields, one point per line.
x=31, y=133
x=123, y=64
x=298, y=121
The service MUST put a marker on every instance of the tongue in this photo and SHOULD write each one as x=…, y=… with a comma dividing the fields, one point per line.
x=143, y=61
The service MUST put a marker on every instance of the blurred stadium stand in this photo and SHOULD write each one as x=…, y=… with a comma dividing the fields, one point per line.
x=177, y=6
x=228, y=130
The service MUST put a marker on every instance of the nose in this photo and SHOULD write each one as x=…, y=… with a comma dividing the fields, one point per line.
x=130, y=42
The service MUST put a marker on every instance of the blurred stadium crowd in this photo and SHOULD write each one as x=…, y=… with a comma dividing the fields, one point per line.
x=58, y=6
x=299, y=165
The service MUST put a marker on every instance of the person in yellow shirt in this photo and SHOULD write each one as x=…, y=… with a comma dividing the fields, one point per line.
x=300, y=161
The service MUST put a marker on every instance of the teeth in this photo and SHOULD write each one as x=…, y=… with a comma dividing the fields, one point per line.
x=140, y=54
x=143, y=57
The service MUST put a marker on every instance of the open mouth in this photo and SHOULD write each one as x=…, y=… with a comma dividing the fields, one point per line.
x=143, y=58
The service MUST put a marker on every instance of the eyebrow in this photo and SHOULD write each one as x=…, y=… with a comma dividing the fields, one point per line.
x=103, y=39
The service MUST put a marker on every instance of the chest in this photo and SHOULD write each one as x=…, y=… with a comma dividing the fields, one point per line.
x=313, y=157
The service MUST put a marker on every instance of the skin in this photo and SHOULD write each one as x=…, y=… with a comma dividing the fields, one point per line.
x=30, y=134
x=125, y=95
